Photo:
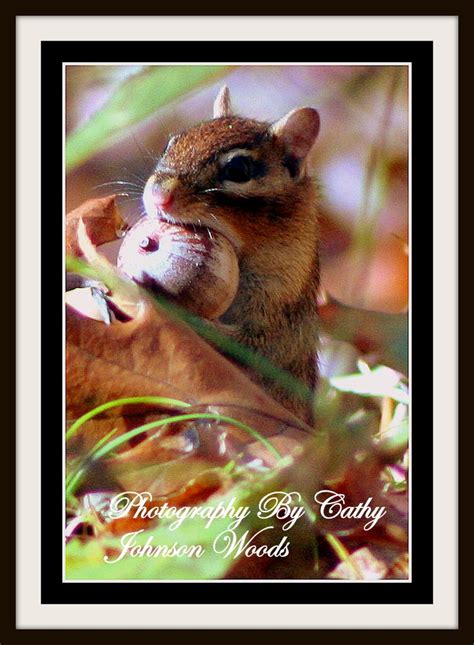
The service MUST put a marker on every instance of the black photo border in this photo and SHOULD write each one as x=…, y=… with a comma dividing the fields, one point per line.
x=420, y=589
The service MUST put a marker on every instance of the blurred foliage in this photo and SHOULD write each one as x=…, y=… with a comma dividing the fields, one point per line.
x=134, y=100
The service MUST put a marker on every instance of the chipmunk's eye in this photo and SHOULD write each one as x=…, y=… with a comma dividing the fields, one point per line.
x=240, y=169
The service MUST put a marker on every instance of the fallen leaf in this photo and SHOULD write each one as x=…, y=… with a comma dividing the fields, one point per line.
x=102, y=220
x=155, y=355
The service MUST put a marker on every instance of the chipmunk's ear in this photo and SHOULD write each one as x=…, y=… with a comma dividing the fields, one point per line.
x=222, y=106
x=298, y=131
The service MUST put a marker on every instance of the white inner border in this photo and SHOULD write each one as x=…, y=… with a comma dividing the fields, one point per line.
x=30, y=32
x=292, y=580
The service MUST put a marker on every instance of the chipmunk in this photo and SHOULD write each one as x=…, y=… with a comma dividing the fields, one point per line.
x=248, y=181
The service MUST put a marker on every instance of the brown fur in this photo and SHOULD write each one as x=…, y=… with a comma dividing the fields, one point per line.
x=192, y=150
x=272, y=222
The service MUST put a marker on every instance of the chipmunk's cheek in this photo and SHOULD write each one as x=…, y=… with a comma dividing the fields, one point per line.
x=196, y=268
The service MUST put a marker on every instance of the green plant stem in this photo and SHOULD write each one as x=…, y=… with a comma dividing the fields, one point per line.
x=343, y=554
x=118, y=441
x=157, y=400
x=100, y=450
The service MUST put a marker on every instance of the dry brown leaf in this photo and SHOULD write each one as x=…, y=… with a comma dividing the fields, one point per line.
x=200, y=488
x=102, y=219
x=155, y=355
x=82, y=442
x=122, y=525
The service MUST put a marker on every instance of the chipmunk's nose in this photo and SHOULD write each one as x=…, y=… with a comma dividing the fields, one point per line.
x=163, y=192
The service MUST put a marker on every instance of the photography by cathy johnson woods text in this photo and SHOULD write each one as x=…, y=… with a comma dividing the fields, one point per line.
x=283, y=507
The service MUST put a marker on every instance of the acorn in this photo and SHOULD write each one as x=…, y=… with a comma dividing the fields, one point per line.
x=196, y=266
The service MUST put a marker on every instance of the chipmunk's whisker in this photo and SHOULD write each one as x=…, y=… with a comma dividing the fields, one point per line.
x=133, y=198
x=117, y=183
x=146, y=153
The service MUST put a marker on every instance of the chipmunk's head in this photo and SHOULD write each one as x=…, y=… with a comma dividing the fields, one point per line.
x=244, y=178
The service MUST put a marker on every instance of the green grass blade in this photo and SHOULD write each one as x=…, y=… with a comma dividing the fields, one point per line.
x=157, y=400
x=100, y=450
x=197, y=416
x=134, y=100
